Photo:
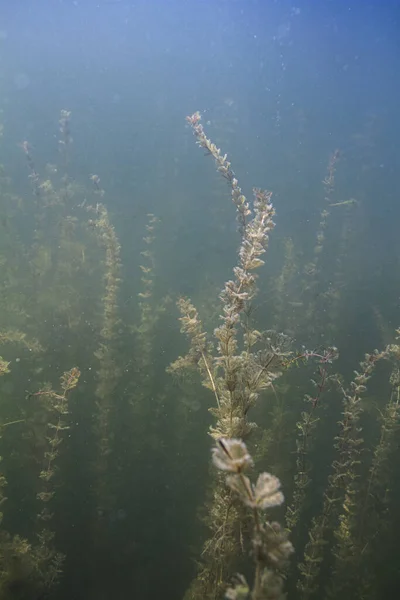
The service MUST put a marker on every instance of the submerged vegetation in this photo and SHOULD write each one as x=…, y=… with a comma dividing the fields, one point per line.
x=104, y=469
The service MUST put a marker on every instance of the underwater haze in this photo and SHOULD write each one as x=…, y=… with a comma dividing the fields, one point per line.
x=199, y=299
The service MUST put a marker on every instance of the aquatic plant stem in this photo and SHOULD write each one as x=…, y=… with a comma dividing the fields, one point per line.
x=214, y=387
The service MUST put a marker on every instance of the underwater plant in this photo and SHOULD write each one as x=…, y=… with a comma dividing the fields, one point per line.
x=109, y=370
x=270, y=546
x=30, y=570
x=346, y=492
x=237, y=367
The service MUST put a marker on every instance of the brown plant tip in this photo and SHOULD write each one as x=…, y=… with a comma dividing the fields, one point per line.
x=231, y=455
x=267, y=492
x=194, y=118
